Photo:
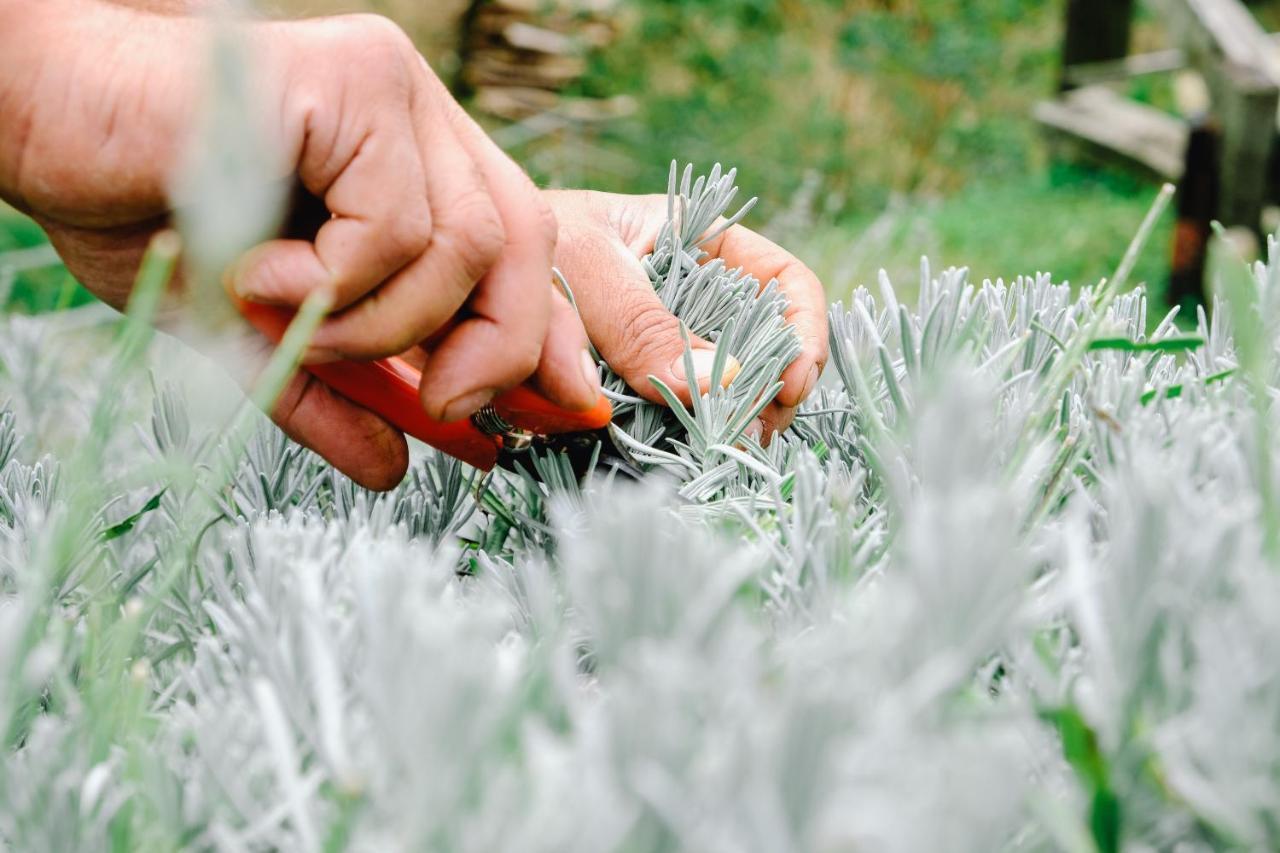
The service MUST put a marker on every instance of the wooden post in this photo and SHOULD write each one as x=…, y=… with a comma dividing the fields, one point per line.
x=1096, y=31
x=1198, y=204
x=1248, y=131
x=1225, y=43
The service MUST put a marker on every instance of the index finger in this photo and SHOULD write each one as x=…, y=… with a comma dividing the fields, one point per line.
x=500, y=344
x=806, y=302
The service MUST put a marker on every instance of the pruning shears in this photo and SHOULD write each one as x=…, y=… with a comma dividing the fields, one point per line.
x=501, y=433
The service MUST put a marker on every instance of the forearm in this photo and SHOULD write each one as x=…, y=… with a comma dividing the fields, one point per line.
x=95, y=104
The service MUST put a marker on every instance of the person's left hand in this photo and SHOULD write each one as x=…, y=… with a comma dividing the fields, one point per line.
x=602, y=238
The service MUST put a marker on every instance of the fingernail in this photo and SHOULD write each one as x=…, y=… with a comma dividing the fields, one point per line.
x=591, y=373
x=810, y=381
x=754, y=430
x=703, y=361
x=466, y=405
x=241, y=284
x=731, y=370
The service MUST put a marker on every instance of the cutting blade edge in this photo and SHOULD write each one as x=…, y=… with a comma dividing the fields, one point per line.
x=588, y=452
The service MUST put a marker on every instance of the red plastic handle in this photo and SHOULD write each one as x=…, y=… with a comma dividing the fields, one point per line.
x=389, y=387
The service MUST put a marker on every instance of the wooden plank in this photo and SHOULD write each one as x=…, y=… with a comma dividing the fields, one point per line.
x=1096, y=31
x=511, y=68
x=1241, y=67
x=1137, y=65
x=543, y=7
x=1118, y=129
x=524, y=36
x=1224, y=42
x=514, y=102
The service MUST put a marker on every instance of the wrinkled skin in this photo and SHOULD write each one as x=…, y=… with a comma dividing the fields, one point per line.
x=425, y=221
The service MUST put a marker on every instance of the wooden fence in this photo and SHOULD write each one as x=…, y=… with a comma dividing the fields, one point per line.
x=1224, y=160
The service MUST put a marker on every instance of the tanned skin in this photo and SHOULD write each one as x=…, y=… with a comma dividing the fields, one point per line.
x=425, y=221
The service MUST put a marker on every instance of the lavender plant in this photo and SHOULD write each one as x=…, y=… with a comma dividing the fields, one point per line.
x=1010, y=583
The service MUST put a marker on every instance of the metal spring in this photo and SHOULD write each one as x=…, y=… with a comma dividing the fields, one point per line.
x=488, y=421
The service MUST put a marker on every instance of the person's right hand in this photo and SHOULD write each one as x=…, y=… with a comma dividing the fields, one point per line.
x=428, y=219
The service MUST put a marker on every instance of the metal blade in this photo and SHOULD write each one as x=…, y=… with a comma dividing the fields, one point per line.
x=587, y=452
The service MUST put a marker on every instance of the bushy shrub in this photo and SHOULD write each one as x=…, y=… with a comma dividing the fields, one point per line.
x=1010, y=583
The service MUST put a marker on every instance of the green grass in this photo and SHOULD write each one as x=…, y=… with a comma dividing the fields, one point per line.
x=1075, y=226
x=913, y=123
x=37, y=286
x=914, y=120
x=878, y=98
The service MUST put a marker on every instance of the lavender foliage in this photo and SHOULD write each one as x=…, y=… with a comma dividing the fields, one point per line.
x=1002, y=587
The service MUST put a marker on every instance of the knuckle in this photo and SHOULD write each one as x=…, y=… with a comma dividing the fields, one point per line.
x=269, y=273
x=393, y=340
x=397, y=336
x=379, y=33
x=473, y=235
x=408, y=233
x=378, y=47
x=368, y=333
x=645, y=333
x=545, y=222
x=347, y=290
x=523, y=359
x=632, y=218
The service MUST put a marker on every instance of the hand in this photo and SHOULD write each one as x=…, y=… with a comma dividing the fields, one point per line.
x=429, y=220
x=602, y=238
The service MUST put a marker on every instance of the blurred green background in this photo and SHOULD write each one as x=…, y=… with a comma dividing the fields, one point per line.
x=874, y=131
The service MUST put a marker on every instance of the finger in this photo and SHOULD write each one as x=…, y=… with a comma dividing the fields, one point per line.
x=628, y=324
x=500, y=345
x=379, y=222
x=354, y=440
x=806, y=308
x=567, y=373
x=774, y=420
x=467, y=240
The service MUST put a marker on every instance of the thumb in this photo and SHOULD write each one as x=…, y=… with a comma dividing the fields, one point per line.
x=627, y=322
